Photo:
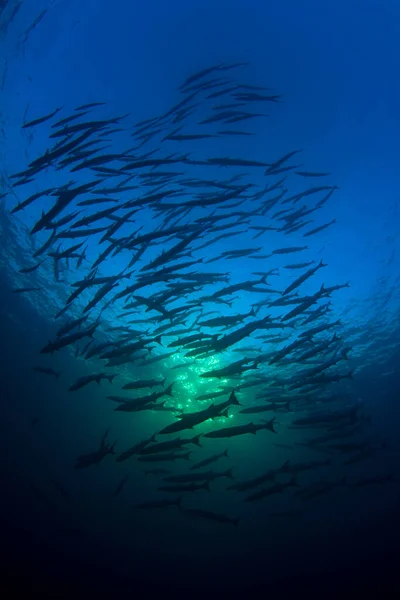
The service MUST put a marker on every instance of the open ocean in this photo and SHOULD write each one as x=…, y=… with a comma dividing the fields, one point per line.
x=199, y=298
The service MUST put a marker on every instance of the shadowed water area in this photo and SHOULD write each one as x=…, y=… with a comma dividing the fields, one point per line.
x=199, y=300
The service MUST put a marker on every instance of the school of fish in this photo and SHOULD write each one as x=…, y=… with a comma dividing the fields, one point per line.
x=163, y=326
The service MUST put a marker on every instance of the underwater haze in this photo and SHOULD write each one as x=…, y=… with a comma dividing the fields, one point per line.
x=199, y=299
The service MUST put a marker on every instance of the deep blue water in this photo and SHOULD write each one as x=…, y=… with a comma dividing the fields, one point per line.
x=333, y=69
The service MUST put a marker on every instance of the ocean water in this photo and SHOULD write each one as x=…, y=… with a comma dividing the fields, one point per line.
x=245, y=156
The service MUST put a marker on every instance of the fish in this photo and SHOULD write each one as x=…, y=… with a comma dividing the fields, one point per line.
x=162, y=503
x=277, y=488
x=207, y=461
x=188, y=487
x=174, y=444
x=94, y=458
x=312, y=174
x=320, y=228
x=168, y=457
x=132, y=405
x=41, y=119
x=199, y=513
x=189, y=420
x=86, y=379
x=24, y=290
x=145, y=383
x=265, y=408
x=160, y=407
x=67, y=340
x=240, y=430
x=199, y=476
x=249, y=484
x=121, y=484
x=70, y=325
x=136, y=449
x=46, y=245
x=303, y=278
x=305, y=466
x=156, y=472
x=299, y=265
x=238, y=367
x=303, y=306
x=47, y=371
x=31, y=269
x=289, y=250
x=89, y=105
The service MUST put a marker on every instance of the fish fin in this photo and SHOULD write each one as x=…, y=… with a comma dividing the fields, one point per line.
x=196, y=439
x=233, y=398
x=271, y=424
x=229, y=473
